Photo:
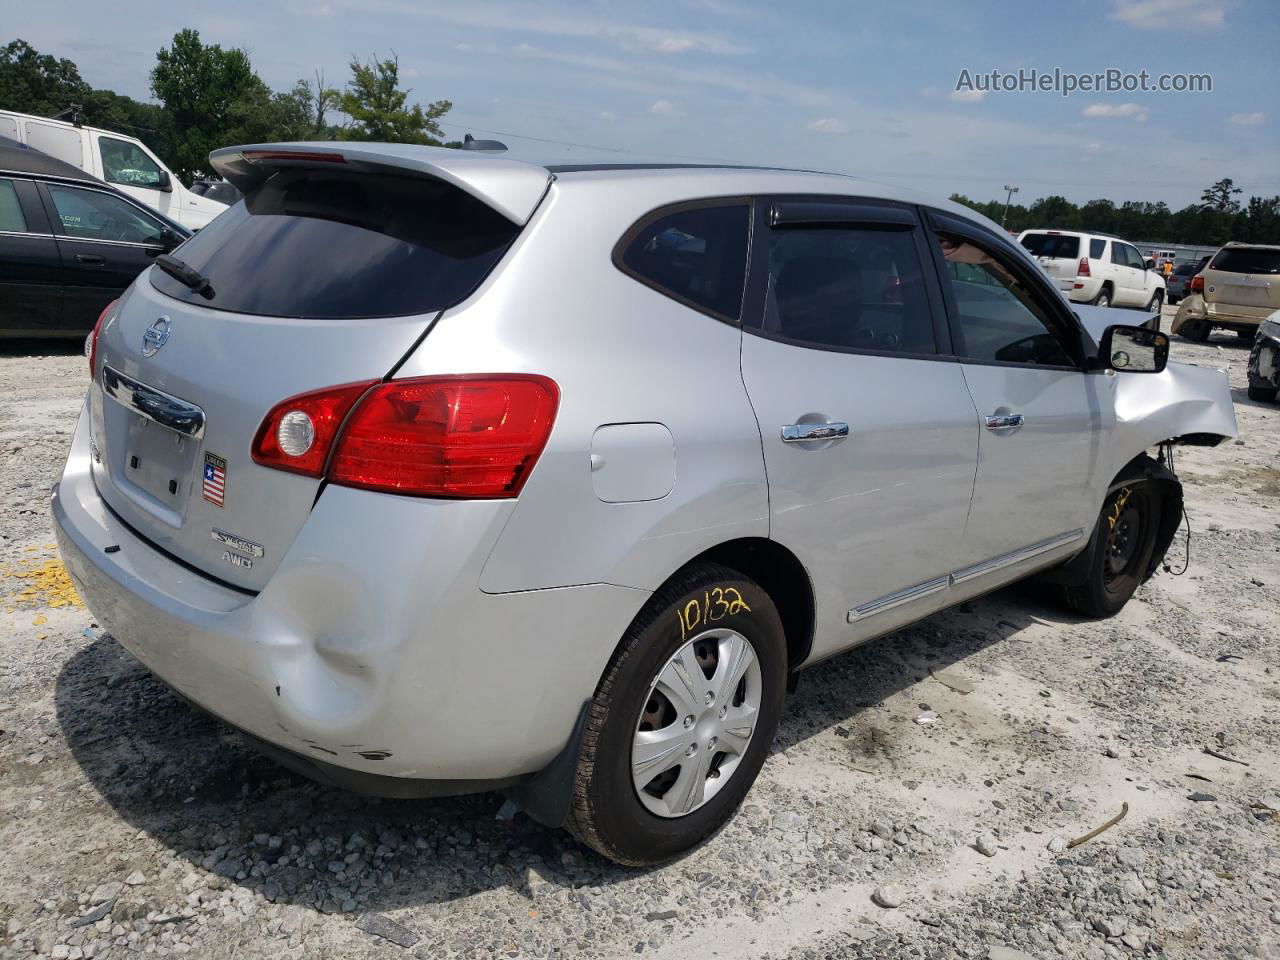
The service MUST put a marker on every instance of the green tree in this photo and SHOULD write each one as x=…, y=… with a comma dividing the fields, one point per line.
x=1220, y=196
x=32, y=82
x=377, y=107
x=212, y=98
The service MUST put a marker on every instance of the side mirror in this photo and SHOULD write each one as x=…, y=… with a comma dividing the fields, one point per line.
x=165, y=183
x=168, y=240
x=1148, y=264
x=1133, y=349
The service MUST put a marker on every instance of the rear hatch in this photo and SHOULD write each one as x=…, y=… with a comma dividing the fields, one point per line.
x=1058, y=253
x=1243, y=277
x=327, y=273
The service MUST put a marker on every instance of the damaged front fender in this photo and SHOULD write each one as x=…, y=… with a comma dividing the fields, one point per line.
x=1183, y=404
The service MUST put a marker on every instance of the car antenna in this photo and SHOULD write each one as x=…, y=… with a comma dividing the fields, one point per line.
x=471, y=143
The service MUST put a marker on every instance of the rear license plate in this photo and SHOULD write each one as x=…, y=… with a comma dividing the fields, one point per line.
x=159, y=461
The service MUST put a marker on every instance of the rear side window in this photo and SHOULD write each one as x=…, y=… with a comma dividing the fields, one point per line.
x=1052, y=245
x=1097, y=248
x=697, y=255
x=852, y=288
x=1245, y=260
x=11, y=218
x=328, y=245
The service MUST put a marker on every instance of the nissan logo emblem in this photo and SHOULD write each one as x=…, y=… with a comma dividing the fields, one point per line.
x=155, y=337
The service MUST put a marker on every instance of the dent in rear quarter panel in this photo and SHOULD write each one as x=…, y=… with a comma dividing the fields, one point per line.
x=621, y=353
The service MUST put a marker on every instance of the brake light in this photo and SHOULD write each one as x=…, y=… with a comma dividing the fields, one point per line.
x=258, y=156
x=1197, y=284
x=297, y=434
x=91, y=341
x=1083, y=269
x=468, y=436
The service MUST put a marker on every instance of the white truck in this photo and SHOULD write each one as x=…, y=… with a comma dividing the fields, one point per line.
x=121, y=160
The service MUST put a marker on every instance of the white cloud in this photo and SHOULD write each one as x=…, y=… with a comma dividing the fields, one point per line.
x=1170, y=14
x=606, y=115
x=1092, y=147
x=829, y=125
x=967, y=96
x=665, y=108
x=1131, y=110
x=1248, y=119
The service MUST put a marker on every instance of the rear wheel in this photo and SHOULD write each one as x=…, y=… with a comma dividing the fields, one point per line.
x=1103, y=299
x=682, y=720
x=1246, y=334
x=1195, y=330
x=1125, y=537
x=1263, y=394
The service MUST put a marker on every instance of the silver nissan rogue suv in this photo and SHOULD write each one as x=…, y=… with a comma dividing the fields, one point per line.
x=437, y=471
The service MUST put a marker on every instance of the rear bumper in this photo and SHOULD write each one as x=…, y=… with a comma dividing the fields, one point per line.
x=371, y=650
x=1088, y=289
x=1235, y=317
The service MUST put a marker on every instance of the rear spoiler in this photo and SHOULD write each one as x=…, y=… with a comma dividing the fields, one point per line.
x=511, y=187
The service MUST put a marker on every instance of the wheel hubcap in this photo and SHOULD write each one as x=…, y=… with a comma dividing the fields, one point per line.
x=696, y=723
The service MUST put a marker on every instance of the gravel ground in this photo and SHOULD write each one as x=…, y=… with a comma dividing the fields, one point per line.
x=130, y=824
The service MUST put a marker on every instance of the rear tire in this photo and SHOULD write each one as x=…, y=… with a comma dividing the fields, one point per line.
x=1246, y=334
x=1103, y=299
x=688, y=632
x=1125, y=537
x=1197, y=331
x=1262, y=394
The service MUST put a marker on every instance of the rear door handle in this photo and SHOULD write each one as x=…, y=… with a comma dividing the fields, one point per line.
x=1004, y=421
x=813, y=432
x=90, y=258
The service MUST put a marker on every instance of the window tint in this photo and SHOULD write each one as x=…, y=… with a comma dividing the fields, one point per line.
x=848, y=287
x=327, y=244
x=1133, y=257
x=697, y=254
x=1096, y=248
x=11, y=217
x=1117, y=255
x=998, y=318
x=1246, y=260
x=1052, y=245
x=124, y=162
x=100, y=216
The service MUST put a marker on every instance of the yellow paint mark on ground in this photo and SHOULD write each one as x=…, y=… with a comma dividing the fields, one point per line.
x=43, y=584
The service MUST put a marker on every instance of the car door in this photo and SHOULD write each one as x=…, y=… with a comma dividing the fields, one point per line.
x=869, y=434
x=104, y=242
x=1129, y=279
x=30, y=270
x=1043, y=419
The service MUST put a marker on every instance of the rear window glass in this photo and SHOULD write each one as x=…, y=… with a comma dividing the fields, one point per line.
x=1245, y=260
x=697, y=255
x=1052, y=245
x=1186, y=269
x=329, y=245
x=1097, y=248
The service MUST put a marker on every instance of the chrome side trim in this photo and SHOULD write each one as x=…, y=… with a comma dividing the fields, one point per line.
x=1016, y=556
x=156, y=406
x=892, y=600
x=27, y=233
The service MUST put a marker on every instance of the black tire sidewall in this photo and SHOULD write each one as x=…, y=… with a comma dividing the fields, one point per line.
x=620, y=818
x=1112, y=597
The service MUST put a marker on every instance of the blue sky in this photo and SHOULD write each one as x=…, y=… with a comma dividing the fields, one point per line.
x=865, y=88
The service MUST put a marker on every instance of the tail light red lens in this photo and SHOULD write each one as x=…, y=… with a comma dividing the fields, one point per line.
x=1083, y=269
x=91, y=344
x=320, y=414
x=1197, y=284
x=469, y=436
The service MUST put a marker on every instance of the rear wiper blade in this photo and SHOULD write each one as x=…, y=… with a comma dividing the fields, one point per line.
x=185, y=274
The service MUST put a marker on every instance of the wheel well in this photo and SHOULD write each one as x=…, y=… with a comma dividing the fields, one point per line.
x=782, y=576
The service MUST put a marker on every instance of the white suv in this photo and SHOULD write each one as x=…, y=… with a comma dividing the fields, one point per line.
x=1095, y=268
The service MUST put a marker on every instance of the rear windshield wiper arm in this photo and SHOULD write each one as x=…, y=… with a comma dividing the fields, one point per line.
x=185, y=274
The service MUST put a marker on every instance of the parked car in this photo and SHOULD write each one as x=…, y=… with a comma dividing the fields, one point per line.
x=1237, y=289
x=1096, y=269
x=1264, y=360
x=585, y=462
x=124, y=162
x=69, y=244
x=1178, y=283
x=218, y=190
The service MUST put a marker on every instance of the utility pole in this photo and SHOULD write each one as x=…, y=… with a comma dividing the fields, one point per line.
x=1009, y=192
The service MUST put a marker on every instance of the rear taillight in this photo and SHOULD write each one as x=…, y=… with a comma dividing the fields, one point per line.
x=468, y=436
x=298, y=433
x=1197, y=284
x=91, y=341
x=455, y=436
x=1083, y=269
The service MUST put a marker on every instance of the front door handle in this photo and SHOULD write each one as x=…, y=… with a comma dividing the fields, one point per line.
x=1004, y=421
x=90, y=258
x=813, y=432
